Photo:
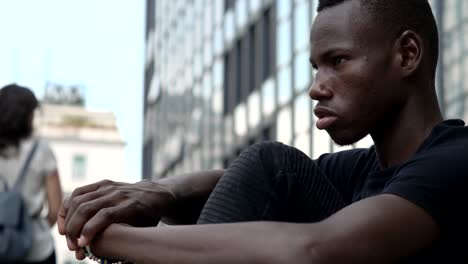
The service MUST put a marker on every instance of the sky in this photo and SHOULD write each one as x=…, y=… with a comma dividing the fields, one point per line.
x=95, y=43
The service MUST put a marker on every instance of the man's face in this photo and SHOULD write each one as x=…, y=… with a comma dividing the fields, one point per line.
x=355, y=83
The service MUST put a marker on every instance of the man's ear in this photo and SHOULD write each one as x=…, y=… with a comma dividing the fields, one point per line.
x=410, y=49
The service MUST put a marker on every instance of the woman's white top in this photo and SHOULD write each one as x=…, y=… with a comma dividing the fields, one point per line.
x=42, y=165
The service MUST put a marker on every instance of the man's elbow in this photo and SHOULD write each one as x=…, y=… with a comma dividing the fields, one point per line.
x=318, y=248
x=303, y=251
x=315, y=254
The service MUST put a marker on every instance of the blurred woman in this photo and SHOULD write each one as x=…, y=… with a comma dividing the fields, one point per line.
x=41, y=185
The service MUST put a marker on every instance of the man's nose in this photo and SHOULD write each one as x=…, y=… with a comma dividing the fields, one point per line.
x=318, y=90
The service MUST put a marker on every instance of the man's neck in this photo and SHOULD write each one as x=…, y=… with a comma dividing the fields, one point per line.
x=397, y=139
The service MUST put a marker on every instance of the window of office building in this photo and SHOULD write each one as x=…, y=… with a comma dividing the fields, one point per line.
x=254, y=110
x=218, y=73
x=284, y=85
x=302, y=123
x=197, y=91
x=238, y=73
x=229, y=26
x=241, y=13
x=196, y=157
x=197, y=64
x=229, y=4
x=240, y=119
x=320, y=139
x=207, y=53
x=229, y=88
x=283, y=40
x=218, y=8
x=197, y=30
x=302, y=114
x=284, y=126
x=217, y=41
x=245, y=63
x=283, y=8
x=79, y=167
x=228, y=133
x=320, y=142
x=455, y=58
x=302, y=71
x=254, y=6
x=465, y=32
x=207, y=86
x=268, y=44
x=268, y=97
x=302, y=142
x=248, y=62
x=207, y=18
x=301, y=26
x=217, y=101
x=252, y=62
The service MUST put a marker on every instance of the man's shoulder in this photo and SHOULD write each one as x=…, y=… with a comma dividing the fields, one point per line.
x=444, y=153
x=348, y=159
x=448, y=139
x=354, y=153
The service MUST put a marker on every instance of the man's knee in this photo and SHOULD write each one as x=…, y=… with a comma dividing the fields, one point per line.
x=275, y=148
x=268, y=155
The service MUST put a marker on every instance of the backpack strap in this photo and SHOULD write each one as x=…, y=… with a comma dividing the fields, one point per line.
x=25, y=167
x=4, y=184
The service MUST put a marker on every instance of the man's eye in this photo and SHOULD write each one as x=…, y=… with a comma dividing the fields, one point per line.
x=338, y=60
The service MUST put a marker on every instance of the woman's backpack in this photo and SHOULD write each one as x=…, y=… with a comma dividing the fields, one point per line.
x=16, y=231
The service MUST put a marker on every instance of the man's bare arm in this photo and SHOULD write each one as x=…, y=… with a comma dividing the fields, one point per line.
x=380, y=229
x=92, y=208
x=191, y=192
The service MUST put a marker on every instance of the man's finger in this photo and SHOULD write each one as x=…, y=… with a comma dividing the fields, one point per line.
x=80, y=254
x=84, y=213
x=62, y=213
x=71, y=244
x=61, y=224
x=64, y=207
x=78, y=201
x=101, y=221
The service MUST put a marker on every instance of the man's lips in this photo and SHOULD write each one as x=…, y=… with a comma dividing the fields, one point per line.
x=325, y=117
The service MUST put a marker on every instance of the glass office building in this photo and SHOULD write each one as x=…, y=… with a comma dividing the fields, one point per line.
x=221, y=75
x=454, y=56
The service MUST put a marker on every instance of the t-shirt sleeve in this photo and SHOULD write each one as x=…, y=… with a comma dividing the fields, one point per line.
x=437, y=182
x=48, y=161
x=344, y=169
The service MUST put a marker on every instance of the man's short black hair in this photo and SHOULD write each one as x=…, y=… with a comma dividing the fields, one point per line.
x=401, y=15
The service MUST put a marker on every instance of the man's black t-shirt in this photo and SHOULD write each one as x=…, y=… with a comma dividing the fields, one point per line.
x=435, y=179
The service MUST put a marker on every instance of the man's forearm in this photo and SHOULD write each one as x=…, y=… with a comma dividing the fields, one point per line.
x=191, y=192
x=253, y=242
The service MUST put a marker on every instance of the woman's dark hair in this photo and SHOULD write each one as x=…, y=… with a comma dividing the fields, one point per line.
x=17, y=105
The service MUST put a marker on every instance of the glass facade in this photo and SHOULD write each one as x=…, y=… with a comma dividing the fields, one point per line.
x=455, y=56
x=225, y=74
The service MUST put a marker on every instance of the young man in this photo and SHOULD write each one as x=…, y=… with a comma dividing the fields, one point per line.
x=399, y=201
